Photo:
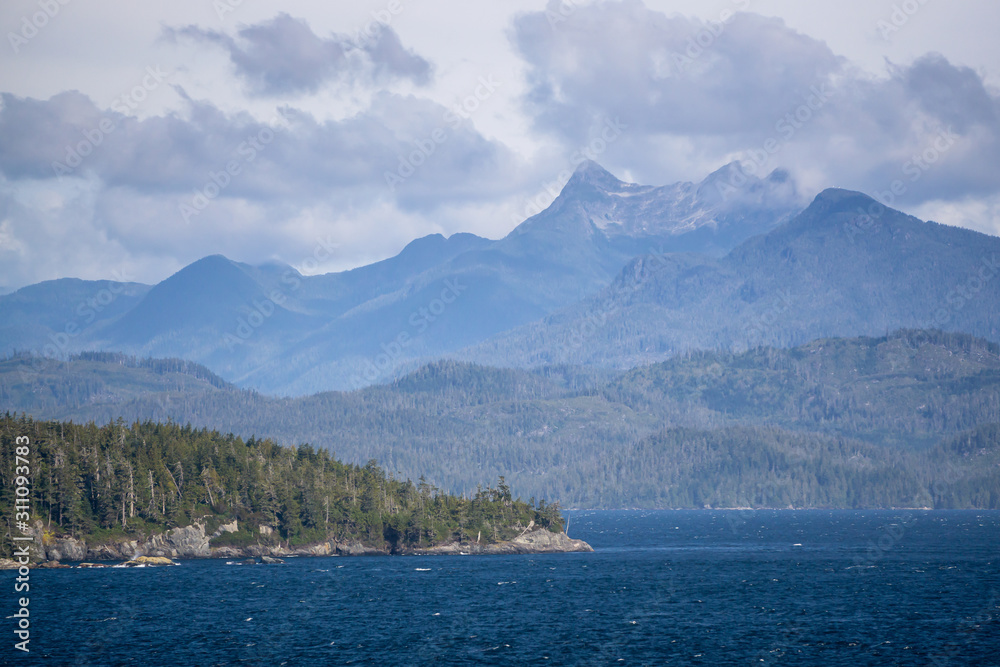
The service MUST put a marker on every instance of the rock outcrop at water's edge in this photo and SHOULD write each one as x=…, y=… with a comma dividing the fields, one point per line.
x=535, y=542
x=194, y=542
x=182, y=542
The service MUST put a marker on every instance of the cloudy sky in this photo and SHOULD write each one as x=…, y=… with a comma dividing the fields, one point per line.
x=136, y=139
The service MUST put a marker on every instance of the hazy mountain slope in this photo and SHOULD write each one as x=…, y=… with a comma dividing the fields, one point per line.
x=822, y=274
x=215, y=311
x=56, y=315
x=565, y=253
x=458, y=423
x=271, y=328
x=906, y=389
x=335, y=293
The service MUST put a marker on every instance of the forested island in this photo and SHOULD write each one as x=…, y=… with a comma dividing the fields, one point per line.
x=116, y=490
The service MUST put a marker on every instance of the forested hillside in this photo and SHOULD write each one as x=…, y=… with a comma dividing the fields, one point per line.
x=872, y=422
x=135, y=480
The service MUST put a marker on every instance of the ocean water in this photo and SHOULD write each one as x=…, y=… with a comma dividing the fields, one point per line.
x=665, y=587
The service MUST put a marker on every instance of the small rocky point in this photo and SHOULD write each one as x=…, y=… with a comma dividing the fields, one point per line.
x=148, y=560
x=540, y=541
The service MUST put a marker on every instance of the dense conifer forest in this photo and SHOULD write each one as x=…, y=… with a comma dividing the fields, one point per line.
x=909, y=419
x=132, y=480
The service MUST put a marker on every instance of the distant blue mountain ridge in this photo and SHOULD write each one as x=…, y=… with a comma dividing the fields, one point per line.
x=611, y=274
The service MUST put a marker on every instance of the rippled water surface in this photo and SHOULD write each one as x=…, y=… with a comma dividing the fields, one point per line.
x=670, y=587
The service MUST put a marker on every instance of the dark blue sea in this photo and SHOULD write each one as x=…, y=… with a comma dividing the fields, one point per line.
x=665, y=587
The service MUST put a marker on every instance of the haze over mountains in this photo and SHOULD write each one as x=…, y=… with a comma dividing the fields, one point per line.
x=272, y=328
x=911, y=419
x=611, y=274
x=833, y=270
x=776, y=378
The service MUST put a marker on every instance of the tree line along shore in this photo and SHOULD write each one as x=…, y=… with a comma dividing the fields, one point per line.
x=119, y=486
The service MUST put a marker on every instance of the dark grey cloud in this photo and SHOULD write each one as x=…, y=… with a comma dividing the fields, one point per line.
x=284, y=56
x=36, y=133
x=391, y=59
x=437, y=158
x=745, y=82
x=931, y=126
x=149, y=195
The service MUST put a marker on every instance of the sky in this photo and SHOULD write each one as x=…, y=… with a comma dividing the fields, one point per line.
x=136, y=138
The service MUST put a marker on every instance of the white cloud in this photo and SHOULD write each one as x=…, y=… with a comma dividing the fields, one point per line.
x=180, y=187
x=980, y=214
x=750, y=86
x=354, y=115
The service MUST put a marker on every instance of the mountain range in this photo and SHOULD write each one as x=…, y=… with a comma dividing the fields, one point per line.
x=832, y=270
x=271, y=328
x=611, y=275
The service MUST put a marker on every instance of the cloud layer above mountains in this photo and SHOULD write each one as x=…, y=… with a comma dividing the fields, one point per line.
x=361, y=137
x=727, y=87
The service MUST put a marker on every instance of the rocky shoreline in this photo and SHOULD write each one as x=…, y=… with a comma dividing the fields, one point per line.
x=194, y=542
x=539, y=541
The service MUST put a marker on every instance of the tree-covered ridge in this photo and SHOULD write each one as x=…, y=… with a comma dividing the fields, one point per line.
x=135, y=480
x=909, y=388
x=554, y=432
x=771, y=467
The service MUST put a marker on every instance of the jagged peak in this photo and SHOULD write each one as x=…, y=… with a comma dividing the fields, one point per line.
x=590, y=173
x=732, y=183
x=714, y=187
x=725, y=171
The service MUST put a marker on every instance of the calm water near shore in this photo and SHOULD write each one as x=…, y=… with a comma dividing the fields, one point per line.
x=664, y=587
